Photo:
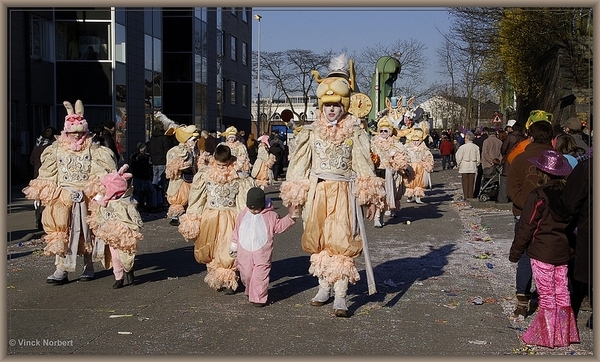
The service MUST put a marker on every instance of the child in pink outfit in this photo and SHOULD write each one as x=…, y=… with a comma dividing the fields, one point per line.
x=258, y=222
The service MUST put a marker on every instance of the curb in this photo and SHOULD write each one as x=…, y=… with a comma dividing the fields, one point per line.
x=34, y=235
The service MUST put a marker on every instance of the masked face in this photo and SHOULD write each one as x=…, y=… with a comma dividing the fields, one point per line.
x=333, y=111
x=231, y=138
x=384, y=132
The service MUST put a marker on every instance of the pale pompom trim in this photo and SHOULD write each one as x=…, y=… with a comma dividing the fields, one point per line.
x=294, y=192
x=419, y=192
x=189, y=226
x=94, y=187
x=370, y=190
x=261, y=183
x=218, y=277
x=172, y=171
x=119, y=236
x=202, y=160
x=56, y=243
x=175, y=210
x=40, y=190
x=399, y=161
x=333, y=267
x=409, y=192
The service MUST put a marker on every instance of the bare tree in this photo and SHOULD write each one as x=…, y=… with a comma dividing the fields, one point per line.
x=289, y=72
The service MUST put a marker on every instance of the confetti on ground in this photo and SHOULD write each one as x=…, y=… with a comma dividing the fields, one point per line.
x=120, y=315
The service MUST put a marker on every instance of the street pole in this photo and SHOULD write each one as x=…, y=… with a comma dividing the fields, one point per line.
x=258, y=115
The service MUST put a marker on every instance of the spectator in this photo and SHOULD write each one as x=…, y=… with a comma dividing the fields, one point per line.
x=143, y=189
x=573, y=127
x=544, y=235
x=108, y=135
x=520, y=181
x=576, y=203
x=41, y=143
x=512, y=139
x=467, y=159
x=446, y=151
x=479, y=142
x=278, y=152
x=491, y=151
x=158, y=146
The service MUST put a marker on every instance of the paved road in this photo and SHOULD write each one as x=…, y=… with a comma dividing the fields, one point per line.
x=429, y=276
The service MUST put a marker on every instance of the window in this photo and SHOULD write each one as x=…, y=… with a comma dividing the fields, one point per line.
x=244, y=95
x=245, y=14
x=232, y=94
x=244, y=53
x=233, y=48
x=233, y=11
x=40, y=39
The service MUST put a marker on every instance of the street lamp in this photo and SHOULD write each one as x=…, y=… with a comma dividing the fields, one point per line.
x=258, y=118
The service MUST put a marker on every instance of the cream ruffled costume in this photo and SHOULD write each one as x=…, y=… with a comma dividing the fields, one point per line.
x=262, y=170
x=216, y=198
x=421, y=165
x=180, y=159
x=238, y=149
x=330, y=175
x=116, y=222
x=391, y=160
x=68, y=178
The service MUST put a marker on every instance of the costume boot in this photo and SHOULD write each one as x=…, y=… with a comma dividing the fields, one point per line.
x=378, y=219
x=418, y=200
x=522, y=305
x=322, y=295
x=59, y=277
x=88, y=269
x=340, y=289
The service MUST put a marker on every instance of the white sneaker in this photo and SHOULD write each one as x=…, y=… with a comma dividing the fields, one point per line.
x=410, y=199
x=418, y=200
x=388, y=213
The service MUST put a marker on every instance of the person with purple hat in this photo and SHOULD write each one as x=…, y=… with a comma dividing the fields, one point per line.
x=543, y=233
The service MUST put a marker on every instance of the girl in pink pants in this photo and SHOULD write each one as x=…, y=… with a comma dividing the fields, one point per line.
x=544, y=235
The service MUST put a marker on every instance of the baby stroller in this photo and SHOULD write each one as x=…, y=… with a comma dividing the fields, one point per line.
x=490, y=183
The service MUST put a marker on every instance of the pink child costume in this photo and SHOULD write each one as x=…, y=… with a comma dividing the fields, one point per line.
x=252, y=240
x=116, y=222
x=543, y=234
x=68, y=178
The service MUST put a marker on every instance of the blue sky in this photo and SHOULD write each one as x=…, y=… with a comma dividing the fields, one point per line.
x=320, y=29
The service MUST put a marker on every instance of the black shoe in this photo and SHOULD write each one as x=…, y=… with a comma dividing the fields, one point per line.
x=129, y=277
x=174, y=222
x=118, y=284
x=341, y=313
x=229, y=291
x=57, y=281
x=258, y=305
x=315, y=303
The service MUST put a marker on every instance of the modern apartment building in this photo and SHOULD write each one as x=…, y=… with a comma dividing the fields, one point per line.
x=193, y=64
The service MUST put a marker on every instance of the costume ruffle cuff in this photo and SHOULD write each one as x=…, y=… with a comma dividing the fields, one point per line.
x=119, y=236
x=398, y=161
x=173, y=169
x=333, y=267
x=189, y=226
x=294, y=192
x=218, y=277
x=40, y=190
x=56, y=243
x=370, y=190
x=94, y=187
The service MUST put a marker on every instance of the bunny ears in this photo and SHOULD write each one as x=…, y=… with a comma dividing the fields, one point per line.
x=74, y=121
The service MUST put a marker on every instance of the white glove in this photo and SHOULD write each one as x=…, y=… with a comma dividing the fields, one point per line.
x=233, y=250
